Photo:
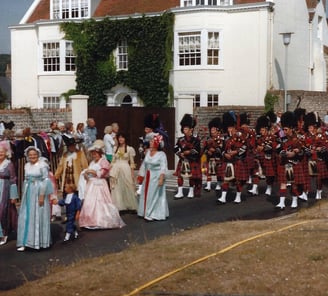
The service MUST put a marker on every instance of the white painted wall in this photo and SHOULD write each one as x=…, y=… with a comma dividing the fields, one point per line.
x=319, y=38
x=29, y=82
x=291, y=16
x=243, y=78
x=24, y=67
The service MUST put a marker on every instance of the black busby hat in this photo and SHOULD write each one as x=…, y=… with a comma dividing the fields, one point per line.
x=299, y=114
x=244, y=119
x=229, y=119
x=312, y=118
x=152, y=121
x=272, y=116
x=187, y=121
x=263, y=121
x=288, y=119
x=215, y=122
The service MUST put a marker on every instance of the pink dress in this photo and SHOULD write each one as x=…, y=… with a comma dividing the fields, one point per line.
x=98, y=210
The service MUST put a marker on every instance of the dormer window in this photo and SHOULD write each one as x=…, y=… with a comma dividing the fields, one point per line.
x=186, y=3
x=69, y=9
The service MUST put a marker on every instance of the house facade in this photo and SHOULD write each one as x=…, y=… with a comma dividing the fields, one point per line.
x=225, y=52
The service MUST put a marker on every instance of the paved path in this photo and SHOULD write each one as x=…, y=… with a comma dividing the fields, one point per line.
x=19, y=267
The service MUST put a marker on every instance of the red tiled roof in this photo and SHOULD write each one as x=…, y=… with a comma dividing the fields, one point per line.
x=41, y=12
x=122, y=7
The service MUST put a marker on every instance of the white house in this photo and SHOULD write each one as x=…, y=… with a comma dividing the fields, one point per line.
x=226, y=52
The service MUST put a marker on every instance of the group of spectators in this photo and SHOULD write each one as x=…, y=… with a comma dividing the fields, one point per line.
x=95, y=176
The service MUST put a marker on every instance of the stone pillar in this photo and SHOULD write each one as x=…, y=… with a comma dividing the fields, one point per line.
x=79, y=107
x=183, y=104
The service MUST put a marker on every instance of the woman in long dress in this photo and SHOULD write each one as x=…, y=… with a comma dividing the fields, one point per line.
x=122, y=183
x=153, y=203
x=98, y=210
x=34, y=213
x=8, y=194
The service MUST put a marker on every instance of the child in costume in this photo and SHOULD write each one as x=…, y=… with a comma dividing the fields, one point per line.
x=72, y=203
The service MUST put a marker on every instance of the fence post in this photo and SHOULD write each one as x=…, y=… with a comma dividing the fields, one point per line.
x=79, y=108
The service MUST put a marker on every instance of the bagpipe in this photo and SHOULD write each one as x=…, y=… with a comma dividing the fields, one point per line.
x=238, y=143
x=265, y=144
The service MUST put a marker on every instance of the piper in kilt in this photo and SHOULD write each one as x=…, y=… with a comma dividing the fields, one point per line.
x=264, y=154
x=188, y=150
x=234, y=157
x=315, y=151
x=250, y=135
x=289, y=165
x=213, y=148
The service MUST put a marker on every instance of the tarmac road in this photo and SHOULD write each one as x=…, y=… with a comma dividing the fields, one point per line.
x=17, y=268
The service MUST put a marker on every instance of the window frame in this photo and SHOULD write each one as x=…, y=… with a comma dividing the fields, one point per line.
x=204, y=49
x=51, y=105
x=213, y=99
x=66, y=59
x=189, y=3
x=121, y=63
x=70, y=9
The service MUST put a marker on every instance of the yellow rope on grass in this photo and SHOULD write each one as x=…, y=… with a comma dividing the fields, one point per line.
x=235, y=245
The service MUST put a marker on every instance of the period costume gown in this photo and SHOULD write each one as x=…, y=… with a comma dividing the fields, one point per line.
x=121, y=181
x=153, y=203
x=98, y=210
x=34, y=220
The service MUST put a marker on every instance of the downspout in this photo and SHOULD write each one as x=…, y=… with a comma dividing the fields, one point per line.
x=270, y=45
x=311, y=66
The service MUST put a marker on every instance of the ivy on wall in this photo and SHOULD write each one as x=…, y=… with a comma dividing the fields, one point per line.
x=149, y=41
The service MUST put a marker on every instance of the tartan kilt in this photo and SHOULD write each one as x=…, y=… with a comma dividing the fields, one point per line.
x=322, y=169
x=219, y=168
x=307, y=176
x=250, y=160
x=298, y=174
x=241, y=170
x=195, y=169
x=269, y=167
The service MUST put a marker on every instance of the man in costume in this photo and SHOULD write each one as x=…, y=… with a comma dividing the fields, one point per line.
x=315, y=152
x=289, y=165
x=264, y=154
x=188, y=149
x=236, y=168
x=213, y=148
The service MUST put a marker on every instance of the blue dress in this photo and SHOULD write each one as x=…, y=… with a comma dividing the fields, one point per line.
x=153, y=204
x=34, y=220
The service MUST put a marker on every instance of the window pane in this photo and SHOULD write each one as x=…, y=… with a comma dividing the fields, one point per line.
x=122, y=55
x=56, y=9
x=75, y=8
x=212, y=100
x=213, y=48
x=51, y=53
x=70, y=57
x=51, y=102
x=65, y=9
x=189, y=49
